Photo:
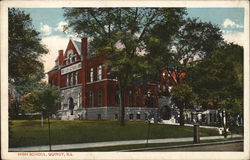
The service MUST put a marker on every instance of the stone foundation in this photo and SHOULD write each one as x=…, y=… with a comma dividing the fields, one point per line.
x=131, y=113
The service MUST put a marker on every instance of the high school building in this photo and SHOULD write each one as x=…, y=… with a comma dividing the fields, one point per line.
x=89, y=92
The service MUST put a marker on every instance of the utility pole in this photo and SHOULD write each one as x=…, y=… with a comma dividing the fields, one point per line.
x=224, y=123
x=148, y=131
x=49, y=133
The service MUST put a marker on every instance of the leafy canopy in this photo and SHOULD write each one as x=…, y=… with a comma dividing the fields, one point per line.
x=25, y=49
x=123, y=34
x=44, y=100
x=218, y=79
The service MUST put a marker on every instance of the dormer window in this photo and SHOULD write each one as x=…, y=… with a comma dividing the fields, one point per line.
x=71, y=57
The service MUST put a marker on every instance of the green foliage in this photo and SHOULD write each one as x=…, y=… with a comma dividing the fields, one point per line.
x=183, y=94
x=218, y=80
x=25, y=49
x=123, y=35
x=43, y=100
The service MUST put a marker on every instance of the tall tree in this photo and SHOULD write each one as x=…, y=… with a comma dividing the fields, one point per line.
x=25, y=50
x=192, y=40
x=183, y=97
x=43, y=99
x=120, y=33
x=218, y=80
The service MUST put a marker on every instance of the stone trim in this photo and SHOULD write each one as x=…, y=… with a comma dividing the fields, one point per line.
x=106, y=79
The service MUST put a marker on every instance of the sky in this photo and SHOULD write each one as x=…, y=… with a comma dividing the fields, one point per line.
x=49, y=22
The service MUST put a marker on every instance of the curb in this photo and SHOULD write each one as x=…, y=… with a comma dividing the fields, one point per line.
x=180, y=146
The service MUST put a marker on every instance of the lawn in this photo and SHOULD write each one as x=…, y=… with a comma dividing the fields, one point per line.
x=31, y=133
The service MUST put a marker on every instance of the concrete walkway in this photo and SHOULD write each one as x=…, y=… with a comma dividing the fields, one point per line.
x=110, y=143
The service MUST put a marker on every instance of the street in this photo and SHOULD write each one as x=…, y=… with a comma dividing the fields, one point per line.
x=218, y=147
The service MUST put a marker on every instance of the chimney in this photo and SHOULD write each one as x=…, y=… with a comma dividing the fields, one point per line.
x=60, y=58
x=84, y=48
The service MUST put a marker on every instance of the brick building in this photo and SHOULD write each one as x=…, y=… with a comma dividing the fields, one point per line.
x=90, y=93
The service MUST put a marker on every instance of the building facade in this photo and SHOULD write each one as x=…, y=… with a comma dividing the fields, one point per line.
x=89, y=92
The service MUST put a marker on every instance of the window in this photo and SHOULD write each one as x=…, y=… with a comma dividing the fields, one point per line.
x=131, y=116
x=99, y=116
x=79, y=100
x=116, y=116
x=211, y=117
x=130, y=98
x=71, y=78
x=138, y=116
x=164, y=88
x=91, y=74
x=100, y=98
x=138, y=98
x=91, y=99
x=67, y=80
x=52, y=82
x=70, y=57
x=203, y=117
x=164, y=75
x=76, y=77
x=99, y=72
x=159, y=87
x=146, y=116
x=117, y=98
x=215, y=117
x=55, y=81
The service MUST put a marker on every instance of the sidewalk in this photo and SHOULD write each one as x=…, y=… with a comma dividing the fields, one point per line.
x=110, y=143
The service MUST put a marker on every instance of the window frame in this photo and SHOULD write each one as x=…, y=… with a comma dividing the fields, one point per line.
x=91, y=74
x=100, y=98
x=91, y=98
x=99, y=72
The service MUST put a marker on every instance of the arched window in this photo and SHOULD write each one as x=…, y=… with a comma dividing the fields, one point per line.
x=71, y=105
x=91, y=74
x=99, y=72
x=67, y=80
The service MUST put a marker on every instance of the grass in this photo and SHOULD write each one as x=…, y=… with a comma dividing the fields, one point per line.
x=31, y=133
x=151, y=145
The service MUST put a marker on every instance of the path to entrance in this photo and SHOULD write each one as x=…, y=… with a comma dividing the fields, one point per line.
x=110, y=143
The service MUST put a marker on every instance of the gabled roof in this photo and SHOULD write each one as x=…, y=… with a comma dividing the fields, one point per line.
x=77, y=45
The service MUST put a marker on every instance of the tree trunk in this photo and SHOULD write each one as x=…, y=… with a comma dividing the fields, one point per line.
x=181, y=116
x=122, y=88
x=122, y=107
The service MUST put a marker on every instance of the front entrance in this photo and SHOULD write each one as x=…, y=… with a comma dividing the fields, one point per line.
x=71, y=105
